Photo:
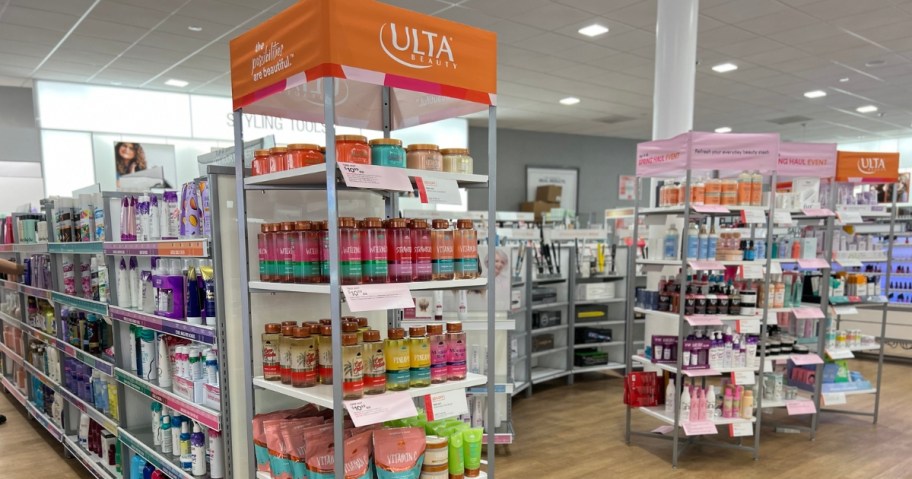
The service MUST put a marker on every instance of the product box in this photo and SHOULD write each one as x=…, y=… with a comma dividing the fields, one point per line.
x=191, y=390
x=592, y=335
x=212, y=394
x=544, y=295
x=696, y=347
x=542, y=342
x=642, y=389
x=664, y=349
x=537, y=207
x=595, y=291
x=590, y=357
x=587, y=313
x=548, y=193
x=808, y=191
x=545, y=319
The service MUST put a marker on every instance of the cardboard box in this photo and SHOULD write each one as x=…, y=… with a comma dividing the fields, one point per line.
x=595, y=291
x=537, y=207
x=548, y=193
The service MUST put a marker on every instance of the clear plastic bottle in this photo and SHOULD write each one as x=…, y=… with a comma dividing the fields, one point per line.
x=419, y=357
x=285, y=352
x=399, y=250
x=349, y=251
x=324, y=351
x=263, y=252
x=466, y=250
x=285, y=245
x=303, y=358
x=422, y=269
x=374, y=363
x=352, y=367
x=670, y=244
x=693, y=241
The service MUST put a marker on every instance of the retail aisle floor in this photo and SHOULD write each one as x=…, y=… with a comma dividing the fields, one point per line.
x=28, y=452
x=578, y=431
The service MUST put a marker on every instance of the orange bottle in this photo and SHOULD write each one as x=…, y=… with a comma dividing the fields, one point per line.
x=713, y=191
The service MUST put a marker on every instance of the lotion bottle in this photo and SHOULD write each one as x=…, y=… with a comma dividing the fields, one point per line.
x=670, y=396
x=198, y=451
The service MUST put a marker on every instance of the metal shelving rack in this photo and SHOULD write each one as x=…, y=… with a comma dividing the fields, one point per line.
x=391, y=95
x=680, y=156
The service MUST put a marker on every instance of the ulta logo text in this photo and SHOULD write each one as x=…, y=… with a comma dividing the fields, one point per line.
x=869, y=166
x=416, y=48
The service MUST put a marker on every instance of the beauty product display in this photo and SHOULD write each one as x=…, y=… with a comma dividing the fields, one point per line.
x=371, y=251
x=387, y=152
x=457, y=160
x=169, y=216
x=76, y=219
x=706, y=294
x=100, y=444
x=424, y=156
x=187, y=444
x=90, y=385
x=745, y=190
x=181, y=290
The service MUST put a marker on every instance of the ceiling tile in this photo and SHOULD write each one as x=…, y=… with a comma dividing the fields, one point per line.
x=815, y=31
x=550, y=43
x=167, y=6
x=751, y=47
x=598, y=7
x=30, y=17
x=469, y=16
x=832, y=44
x=171, y=41
x=93, y=28
x=551, y=16
x=641, y=14
x=63, y=66
x=505, y=8
x=777, y=22
x=70, y=54
x=137, y=65
x=95, y=45
x=178, y=25
x=587, y=53
x=740, y=10
x=128, y=15
x=24, y=48
x=20, y=61
x=833, y=9
x=69, y=7
x=512, y=32
x=146, y=51
x=723, y=35
x=422, y=6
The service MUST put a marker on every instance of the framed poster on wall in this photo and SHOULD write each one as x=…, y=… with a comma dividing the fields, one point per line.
x=566, y=178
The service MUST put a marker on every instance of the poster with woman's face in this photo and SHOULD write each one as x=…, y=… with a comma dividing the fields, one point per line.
x=128, y=158
x=134, y=157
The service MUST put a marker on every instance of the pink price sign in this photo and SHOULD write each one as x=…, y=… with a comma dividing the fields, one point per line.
x=710, y=209
x=823, y=212
x=805, y=359
x=807, y=312
x=800, y=406
x=705, y=264
x=703, y=320
x=813, y=263
x=699, y=428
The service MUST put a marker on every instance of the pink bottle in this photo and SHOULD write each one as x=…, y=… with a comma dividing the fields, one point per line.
x=285, y=245
x=439, y=351
x=422, y=268
x=349, y=251
x=456, y=351
x=399, y=251
x=262, y=252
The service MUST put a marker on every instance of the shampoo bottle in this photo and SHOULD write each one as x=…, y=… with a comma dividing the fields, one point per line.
x=156, y=423
x=710, y=402
x=198, y=451
x=186, y=456
x=670, y=396
x=166, y=433
x=216, y=455
x=685, y=403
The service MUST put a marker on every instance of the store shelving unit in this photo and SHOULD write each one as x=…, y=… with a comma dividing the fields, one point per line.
x=388, y=100
x=683, y=157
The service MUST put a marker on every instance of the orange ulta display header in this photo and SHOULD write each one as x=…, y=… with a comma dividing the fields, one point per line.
x=867, y=167
x=364, y=41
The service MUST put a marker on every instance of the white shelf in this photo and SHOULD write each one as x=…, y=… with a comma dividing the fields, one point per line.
x=11, y=355
x=13, y=390
x=598, y=345
x=610, y=322
x=199, y=413
x=316, y=175
x=539, y=374
x=721, y=317
x=546, y=306
x=520, y=386
x=860, y=392
x=603, y=367
x=690, y=372
x=49, y=425
x=15, y=322
x=500, y=325
x=599, y=301
x=323, y=288
x=322, y=395
x=547, y=352
x=89, y=410
x=548, y=329
x=40, y=375
x=89, y=461
x=659, y=413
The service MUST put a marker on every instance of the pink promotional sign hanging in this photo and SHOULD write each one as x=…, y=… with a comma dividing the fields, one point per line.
x=816, y=160
x=662, y=157
x=734, y=151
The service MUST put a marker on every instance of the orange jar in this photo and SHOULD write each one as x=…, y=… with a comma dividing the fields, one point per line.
x=729, y=192
x=713, y=191
x=303, y=154
x=260, y=164
x=353, y=149
x=424, y=156
x=277, y=159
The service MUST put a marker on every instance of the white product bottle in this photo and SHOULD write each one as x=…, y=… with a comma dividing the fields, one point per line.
x=198, y=451
x=711, y=402
x=156, y=423
x=186, y=455
x=83, y=435
x=154, y=218
x=133, y=279
x=685, y=404
x=670, y=396
x=196, y=363
x=212, y=373
x=216, y=455
x=178, y=421
x=148, y=355
x=180, y=354
x=164, y=363
x=142, y=218
x=165, y=434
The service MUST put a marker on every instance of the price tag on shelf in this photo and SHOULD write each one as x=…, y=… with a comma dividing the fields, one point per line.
x=438, y=191
x=818, y=212
x=375, y=177
x=378, y=297
x=695, y=373
x=834, y=399
x=705, y=264
x=807, y=312
x=848, y=217
x=805, y=359
x=798, y=407
x=775, y=268
x=749, y=326
x=380, y=408
x=848, y=263
x=446, y=404
x=663, y=430
x=703, y=320
x=710, y=209
x=813, y=263
x=752, y=271
x=840, y=353
x=741, y=429
x=782, y=217
x=753, y=216
x=845, y=310
x=699, y=428
x=742, y=378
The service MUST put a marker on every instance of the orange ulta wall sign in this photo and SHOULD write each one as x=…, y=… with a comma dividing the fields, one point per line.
x=367, y=41
x=867, y=167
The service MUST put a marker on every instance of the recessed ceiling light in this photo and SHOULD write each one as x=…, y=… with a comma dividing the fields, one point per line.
x=723, y=129
x=866, y=109
x=195, y=28
x=725, y=67
x=815, y=94
x=593, y=30
x=176, y=83
x=844, y=80
x=875, y=63
x=570, y=100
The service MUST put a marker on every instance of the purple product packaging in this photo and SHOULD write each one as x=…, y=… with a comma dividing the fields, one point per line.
x=694, y=347
x=204, y=204
x=171, y=288
x=664, y=349
x=85, y=275
x=170, y=215
x=190, y=212
x=27, y=275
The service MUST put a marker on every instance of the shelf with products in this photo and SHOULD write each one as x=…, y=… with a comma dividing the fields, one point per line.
x=549, y=329
x=322, y=394
x=542, y=374
x=207, y=417
x=83, y=304
x=691, y=372
x=613, y=322
x=265, y=286
x=84, y=247
x=315, y=175
x=608, y=344
x=88, y=409
x=14, y=390
x=667, y=417
x=599, y=301
x=178, y=248
x=89, y=461
x=36, y=292
x=46, y=422
x=503, y=435
x=44, y=378
x=11, y=355
x=554, y=305
x=26, y=248
x=140, y=442
x=546, y=352
x=103, y=364
x=183, y=329
x=600, y=367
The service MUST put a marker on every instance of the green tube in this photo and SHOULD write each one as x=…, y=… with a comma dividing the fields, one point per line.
x=455, y=452
x=472, y=450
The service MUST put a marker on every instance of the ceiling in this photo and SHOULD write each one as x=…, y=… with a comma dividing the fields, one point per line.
x=783, y=48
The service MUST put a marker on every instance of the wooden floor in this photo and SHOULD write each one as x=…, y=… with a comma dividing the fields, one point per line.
x=578, y=431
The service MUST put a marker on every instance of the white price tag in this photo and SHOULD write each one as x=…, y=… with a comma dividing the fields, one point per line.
x=438, y=191
x=845, y=310
x=380, y=408
x=849, y=263
x=749, y=326
x=849, y=217
x=375, y=177
x=742, y=378
x=740, y=429
x=378, y=297
x=752, y=271
x=775, y=268
x=446, y=404
x=782, y=217
x=754, y=216
x=834, y=399
x=840, y=353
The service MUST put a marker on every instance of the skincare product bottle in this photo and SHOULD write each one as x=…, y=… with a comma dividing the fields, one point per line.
x=198, y=451
x=270, y=343
x=165, y=432
x=747, y=404
x=164, y=362
x=397, y=360
x=727, y=403
x=176, y=422
x=670, y=396
x=710, y=402
x=216, y=455
x=670, y=244
x=156, y=423
x=134, y=283
x=352, y=367
x=212, y=371
x=456, y=351
x=693, y=241
x=419, y=357
x=685, y=402
x=193, y=305
x=148, y=355
x=186, y=456
x=375, y=363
